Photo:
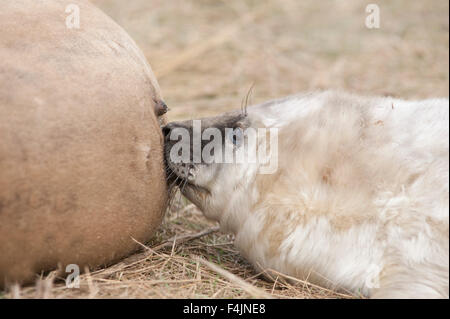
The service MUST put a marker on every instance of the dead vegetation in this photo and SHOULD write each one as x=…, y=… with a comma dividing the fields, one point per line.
x=188, y=258
x=206, y=54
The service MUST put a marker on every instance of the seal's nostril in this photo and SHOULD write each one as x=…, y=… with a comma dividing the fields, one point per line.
x=166, y=130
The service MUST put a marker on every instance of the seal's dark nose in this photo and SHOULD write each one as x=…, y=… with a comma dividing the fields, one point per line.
x=167, y=129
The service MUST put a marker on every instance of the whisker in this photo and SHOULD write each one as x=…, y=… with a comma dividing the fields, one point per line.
x=247, y=98
x=181, y=188
x=170, y=175
x=184, y=185
x=171, y=198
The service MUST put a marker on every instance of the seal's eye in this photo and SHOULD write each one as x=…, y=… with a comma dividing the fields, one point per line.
x=236, y=136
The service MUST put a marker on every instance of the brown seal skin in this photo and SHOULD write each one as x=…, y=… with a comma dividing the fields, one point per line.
x=81, y=161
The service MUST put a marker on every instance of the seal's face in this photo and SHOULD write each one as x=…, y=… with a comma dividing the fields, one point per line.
x=204, y=174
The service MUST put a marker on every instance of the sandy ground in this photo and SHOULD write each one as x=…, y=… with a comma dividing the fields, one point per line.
x=206, y=55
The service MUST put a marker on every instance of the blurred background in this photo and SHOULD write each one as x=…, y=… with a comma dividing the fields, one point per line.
x=206, y=54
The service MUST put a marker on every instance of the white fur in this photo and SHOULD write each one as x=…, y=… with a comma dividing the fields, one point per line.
x=360, y=201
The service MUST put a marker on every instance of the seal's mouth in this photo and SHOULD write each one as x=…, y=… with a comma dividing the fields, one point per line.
x=182, y=180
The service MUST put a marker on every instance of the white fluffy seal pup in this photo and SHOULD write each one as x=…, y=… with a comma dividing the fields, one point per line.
x=358, y=200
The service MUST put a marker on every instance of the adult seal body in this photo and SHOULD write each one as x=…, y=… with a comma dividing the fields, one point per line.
x=81, y=164
x=358, y=198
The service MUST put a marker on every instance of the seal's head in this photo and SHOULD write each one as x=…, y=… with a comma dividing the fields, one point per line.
x=214, y=161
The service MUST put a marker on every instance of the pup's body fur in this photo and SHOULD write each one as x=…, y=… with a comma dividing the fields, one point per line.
x=360, y=200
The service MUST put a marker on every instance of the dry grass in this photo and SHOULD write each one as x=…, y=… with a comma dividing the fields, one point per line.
x=206, y=54
x=188, y=258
